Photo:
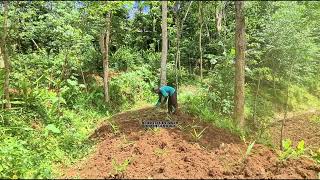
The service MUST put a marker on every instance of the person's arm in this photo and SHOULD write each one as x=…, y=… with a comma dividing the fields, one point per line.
x=162, y=97
x=159, y=100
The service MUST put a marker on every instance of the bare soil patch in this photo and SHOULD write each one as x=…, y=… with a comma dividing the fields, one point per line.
x=174, y=153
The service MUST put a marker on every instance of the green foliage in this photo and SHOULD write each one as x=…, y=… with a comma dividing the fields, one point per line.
x=291, y=152
x=126, y=58
x=53, y=46
x=31, y=152
x=198, y=104
x=131, y=87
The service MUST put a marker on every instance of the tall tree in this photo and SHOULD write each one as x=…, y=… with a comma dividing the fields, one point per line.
x=5, y=55
x=240, y=63
x=179, y=26
x=104, y=43
x=164, y=53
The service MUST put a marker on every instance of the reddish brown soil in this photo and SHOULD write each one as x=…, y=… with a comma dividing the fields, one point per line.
x=172, y=153
x=299, y=128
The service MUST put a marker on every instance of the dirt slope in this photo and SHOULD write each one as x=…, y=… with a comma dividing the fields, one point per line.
x=300, y=127
x=173, y=153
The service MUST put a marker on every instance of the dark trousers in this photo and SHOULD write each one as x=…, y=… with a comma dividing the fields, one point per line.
x=172, y=103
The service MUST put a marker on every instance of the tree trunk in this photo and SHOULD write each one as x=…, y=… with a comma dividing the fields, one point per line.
x=154, y=33
x=180, y=36
x=239, y=64
x=177, y=59
x=285, y=108
x=200, y=34
x=255, y=100
x=219, y=16
x=5, y=56
x=163, y=72
x=106, y=41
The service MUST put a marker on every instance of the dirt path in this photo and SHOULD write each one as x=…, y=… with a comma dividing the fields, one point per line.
x=173, y=153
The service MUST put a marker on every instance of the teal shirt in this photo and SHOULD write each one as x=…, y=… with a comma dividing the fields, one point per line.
x=165, y=91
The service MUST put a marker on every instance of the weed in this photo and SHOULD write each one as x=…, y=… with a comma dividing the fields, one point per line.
x=115, y=128
x=155, y=130
x=168, y=118
x=316, y=155
x=181, y=127
x=121, y=167
x=125, y=142
x=290, y=152
x=249, y=148
x=197, y=136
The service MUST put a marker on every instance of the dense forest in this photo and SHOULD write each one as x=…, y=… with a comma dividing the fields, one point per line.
x=77, y=77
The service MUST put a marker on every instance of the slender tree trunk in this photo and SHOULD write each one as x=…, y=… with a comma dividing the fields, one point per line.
x=208, y=32
x=200, y=37
x=163, y=72
x=177, y=59
x=1, y=66
x=255, y=100
x=239, y=64
x=154, y=33
x=180, y=36
x=219, y=16
x=106, y=41
x=6, y=56
x=285, y=109
x=84, y=79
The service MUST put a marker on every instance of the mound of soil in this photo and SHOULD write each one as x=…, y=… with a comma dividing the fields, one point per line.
x=174, y=153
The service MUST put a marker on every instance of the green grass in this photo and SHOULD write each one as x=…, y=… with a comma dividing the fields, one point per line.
x=193, y=103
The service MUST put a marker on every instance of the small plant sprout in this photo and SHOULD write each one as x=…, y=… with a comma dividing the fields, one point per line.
x=121, y=167
x=291, y=152
x=197, y=136
x=115, y=128
x=181, y=127
x=155, y=130
x=125, y=142
x=168, y=117
x=249, y=148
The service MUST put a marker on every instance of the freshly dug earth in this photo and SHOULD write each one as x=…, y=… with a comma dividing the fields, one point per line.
x=174, y=153
x=297, y=128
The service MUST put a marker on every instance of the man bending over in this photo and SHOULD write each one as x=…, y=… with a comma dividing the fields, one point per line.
x=167, y=92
